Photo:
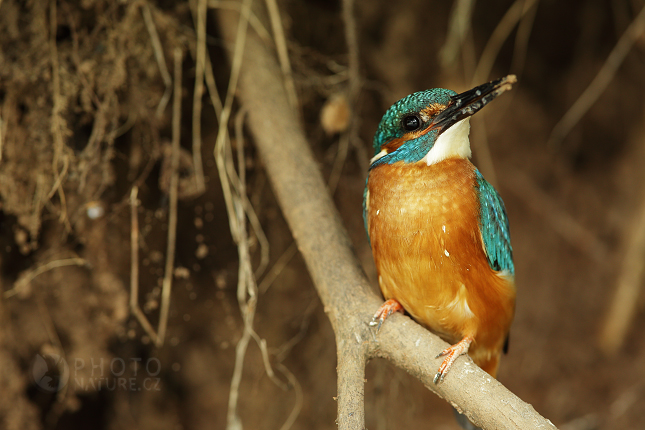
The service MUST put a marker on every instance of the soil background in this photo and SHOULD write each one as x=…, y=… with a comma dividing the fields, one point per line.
x=84, y=117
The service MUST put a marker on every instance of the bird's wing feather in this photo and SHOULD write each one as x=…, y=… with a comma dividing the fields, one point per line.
x=365, y=203
x=493, y=224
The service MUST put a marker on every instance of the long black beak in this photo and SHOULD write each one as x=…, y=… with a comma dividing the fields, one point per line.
x=469, y=102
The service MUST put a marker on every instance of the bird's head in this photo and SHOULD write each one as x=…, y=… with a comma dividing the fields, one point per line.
x=432, y=125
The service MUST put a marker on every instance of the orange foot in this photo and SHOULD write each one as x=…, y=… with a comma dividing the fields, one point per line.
x=386, y=309
x=451, y=355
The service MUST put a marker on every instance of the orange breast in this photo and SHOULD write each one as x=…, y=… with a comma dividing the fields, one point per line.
x=423, y=223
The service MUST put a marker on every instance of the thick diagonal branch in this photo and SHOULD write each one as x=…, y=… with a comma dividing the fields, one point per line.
x=348, y=300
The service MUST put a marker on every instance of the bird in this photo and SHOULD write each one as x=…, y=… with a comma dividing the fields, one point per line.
x=438, y=230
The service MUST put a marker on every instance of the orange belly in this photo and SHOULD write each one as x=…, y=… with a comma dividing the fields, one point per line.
x=423, y=223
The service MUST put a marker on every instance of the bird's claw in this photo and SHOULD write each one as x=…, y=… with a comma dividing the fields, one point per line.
x=377, y=322
x=385, y=310
x=451, y=353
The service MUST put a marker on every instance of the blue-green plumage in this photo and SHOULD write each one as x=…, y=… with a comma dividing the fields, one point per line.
x=493, y=224
x=365, y=211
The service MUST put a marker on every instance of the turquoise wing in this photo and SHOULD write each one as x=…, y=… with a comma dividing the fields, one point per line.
x=365, y=211
x=494, y=227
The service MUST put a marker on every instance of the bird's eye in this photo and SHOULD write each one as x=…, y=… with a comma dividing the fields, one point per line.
x=411, y=122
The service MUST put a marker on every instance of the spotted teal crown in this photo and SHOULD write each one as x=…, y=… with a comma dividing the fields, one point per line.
x=392, y=127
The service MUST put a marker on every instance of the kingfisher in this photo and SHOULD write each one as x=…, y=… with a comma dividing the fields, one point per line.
x=438, y=230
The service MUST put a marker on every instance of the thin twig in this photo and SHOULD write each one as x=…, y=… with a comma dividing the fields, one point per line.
x=159, y=56
x=58, y=126
x=233, y=421
x=600, y=82
x=217, y=105
x=351, y=39
x=173, y=195
x=353, y=69
x=262, y=343
x=239, y=146
x=200, y=63
x=297, y=407
x=222, y=133
x=502, y=31
x=2, y=128
x=625, y=303
x=48, y=324
x=504, y=28
x=212, y=87
x=209, y=78
x=254, y=22
x=522, y=36
x=60, y=177
x=134, y=267
x=458, y=28
x=468, y=55
x=259, y=234
x=283, y=350
x=145, y=324
x=278, y=267
x=248, y=207
x=38, y=201
x=339, y=161
x=625, y=400
x=283, y=54
x=26, y=277
x=247, y=289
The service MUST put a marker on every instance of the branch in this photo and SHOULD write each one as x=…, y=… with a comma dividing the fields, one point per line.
x=339, y=279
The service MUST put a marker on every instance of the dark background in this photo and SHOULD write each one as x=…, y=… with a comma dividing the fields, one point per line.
x=91, y=127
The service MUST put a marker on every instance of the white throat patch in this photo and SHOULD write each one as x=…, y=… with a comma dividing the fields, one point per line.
x=453, y=142
x=381, y=154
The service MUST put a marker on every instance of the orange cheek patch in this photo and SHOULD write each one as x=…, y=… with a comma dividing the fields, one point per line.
x=433, y=109
x=394, y=144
